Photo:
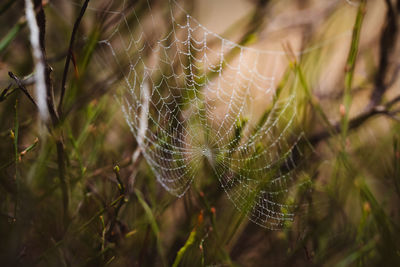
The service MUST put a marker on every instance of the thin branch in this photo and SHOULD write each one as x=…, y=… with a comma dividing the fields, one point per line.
x=61, y=156
x=21, y=86
x=41, y=22
x=393, y=116
x=392, y=102
x=395, y=75
x=387, y=44
x=69, y=54
x=121, y=187
x=359, y=120
x=5, y=93
x=62, y=174
x=143, y=126
x=38, y=59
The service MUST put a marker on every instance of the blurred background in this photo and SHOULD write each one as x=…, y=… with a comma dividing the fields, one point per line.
x=71, y=194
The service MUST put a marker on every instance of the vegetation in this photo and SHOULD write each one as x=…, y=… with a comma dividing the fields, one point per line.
x=71, y=194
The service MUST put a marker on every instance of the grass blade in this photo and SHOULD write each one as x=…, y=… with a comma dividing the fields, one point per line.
x=182, y=250
x=350, y=67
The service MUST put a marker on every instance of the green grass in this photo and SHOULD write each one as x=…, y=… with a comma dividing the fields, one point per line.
x=70, y=194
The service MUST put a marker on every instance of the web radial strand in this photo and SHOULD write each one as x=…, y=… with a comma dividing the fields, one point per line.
x=205, y=97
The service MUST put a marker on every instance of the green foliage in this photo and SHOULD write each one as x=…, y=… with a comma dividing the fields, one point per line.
x=70, y=194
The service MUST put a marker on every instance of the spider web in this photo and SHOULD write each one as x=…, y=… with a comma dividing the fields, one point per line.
x=195, y=99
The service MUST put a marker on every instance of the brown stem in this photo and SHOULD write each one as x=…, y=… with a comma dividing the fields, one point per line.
x=22, y=87
x=121, y=188
x=63, y=180
x=41, y=20
x=69, y=53
x=357, y=121
x=387, y=43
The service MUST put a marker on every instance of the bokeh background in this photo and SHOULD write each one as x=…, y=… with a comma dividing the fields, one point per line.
x=71, y=195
